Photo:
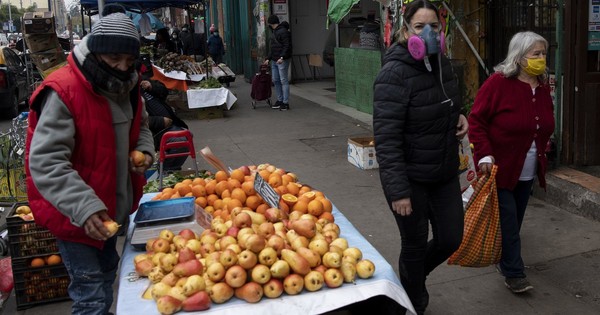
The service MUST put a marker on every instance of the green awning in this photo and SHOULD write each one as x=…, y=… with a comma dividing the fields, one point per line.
x=338, y=9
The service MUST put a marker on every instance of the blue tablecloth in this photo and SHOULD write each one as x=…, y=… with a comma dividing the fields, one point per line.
x=384, y=282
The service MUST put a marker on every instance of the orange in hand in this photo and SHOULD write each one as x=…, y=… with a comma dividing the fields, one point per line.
x=138, y=158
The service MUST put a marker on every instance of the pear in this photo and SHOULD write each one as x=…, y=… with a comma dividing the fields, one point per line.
x=167, y=305
x=250, y=292
x=220, y=292
x=348, y=271
x=305, y=227
x=199, y=301
x=298, y=263
x=312, y=257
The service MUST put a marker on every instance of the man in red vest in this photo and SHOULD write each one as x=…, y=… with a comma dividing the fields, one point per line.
x=84, y=121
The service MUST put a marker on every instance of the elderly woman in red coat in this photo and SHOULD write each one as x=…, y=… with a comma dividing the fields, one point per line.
x=510, y=124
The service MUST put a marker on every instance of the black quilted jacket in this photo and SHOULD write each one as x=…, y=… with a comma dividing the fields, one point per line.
x=414, y=123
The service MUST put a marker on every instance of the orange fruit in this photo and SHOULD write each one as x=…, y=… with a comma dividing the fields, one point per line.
x=165, y=196
x=237, y=174
x=327, y=205
x=275, y=180
x=37, y=262
x=234, y=183
x=187, y=181
x=189, y=194
x=304, y=189
x=221, y=176
x=301, y=206
x=248, y=188
x=198, y=181
x=315, y=207
x=209, y=209
x=289, y=199
x=293, y=188
x=328, y=216
x=201, y=201
x=221, y=187
x=217, y=213
x=239, y=194
x=310, y=195
x=210, y=186
x=138, y=158
x=53, y=260
x=218, y=204
x=282, y=189
x=264, y=174
x=226, y=194
x=210, y=199
x=318, y=194
x=182, y=188
x=168, y=190
x=253, y=202
x=283, y=206
x=286, y=179
x=262, y=208
x=231, y=204
x=157, y=196
x=198, y=191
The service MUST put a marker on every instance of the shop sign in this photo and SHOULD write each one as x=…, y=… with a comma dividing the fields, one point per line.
x=594, y=25
x=280, y=7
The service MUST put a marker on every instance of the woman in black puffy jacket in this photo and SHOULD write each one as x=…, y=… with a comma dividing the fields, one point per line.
x=417, y=124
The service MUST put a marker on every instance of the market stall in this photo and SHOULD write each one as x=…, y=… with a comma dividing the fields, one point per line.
x=384, y=282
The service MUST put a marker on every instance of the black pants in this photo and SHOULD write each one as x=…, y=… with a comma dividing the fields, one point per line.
x=512, y=205
x=441, y=206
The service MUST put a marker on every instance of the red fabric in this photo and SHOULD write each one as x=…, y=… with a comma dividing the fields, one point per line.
x=503, y=123
x=91, y=112
x=6, y=276
x=171, y=84
x=261, y=87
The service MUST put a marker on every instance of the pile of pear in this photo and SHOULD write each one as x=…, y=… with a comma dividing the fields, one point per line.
x=250, y=256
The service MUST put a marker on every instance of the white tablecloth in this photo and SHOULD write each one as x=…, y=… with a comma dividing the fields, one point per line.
x=384, y=282
x=198, y=98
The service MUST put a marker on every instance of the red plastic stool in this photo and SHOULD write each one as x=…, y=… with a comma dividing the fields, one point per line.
x=166, y=145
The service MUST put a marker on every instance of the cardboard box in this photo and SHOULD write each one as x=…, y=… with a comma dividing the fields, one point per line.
x=361, y=153
x=41, y=42
x=38, y=23
x=47, y=59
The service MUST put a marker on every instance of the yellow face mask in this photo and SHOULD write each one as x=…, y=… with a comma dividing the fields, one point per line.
x=535, y=67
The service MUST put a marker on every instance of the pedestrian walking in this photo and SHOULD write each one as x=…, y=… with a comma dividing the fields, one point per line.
x=216, y=49
x=417, y=124
x=84, y=121
x=511, y=121
x=279, y=56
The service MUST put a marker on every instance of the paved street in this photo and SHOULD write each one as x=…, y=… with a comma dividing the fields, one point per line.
x=561, y=249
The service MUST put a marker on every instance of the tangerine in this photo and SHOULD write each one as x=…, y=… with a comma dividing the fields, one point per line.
x=275, y=180
x=157, y=197
x=218, y=204
x=37, y=262
x=284, y=207
x=253, y=202
x=293, y=188
x=209, y=209
x=53, y=260
x=239, y=194
x=182, y=189
x=327, y=205
x=327, y=216
x=198, y=181
x=226, y=194
x=237, y=174
x=310, y=195
x=210, y=199
x=262, y=208
x=289, y=199
x=187, y=181
x=234, y=183
x=201, y=201
x=210, y=186
x=301, y=205
x=304, y=189
x=198, y=191
x=264, y=174
x=248, y=188
x=233, y=203
x=221, y=176
x=315, y=207
x=175, y=195
x=221, y=187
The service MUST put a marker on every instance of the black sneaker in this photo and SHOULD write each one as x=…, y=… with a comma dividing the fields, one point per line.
x=498, y=269
x=277, y=105
x=284, y=106
x=518, y=285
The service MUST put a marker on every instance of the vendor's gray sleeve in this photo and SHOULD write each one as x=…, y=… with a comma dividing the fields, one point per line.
x=146, y=141
x=50, y=163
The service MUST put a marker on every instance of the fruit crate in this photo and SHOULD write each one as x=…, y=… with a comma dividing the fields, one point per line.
x=39, y=285
x=27, y=239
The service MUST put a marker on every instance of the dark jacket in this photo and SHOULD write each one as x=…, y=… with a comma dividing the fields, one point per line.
x=281, y=42
x=215, y=45
x=193, y=43
x=157, y=109
x=414, y=125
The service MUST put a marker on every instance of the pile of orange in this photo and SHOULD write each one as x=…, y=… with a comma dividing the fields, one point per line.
x=221, y=194
x=49, y=260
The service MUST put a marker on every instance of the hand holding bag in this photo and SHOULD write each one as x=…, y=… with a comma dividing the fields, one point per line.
x=481, y=245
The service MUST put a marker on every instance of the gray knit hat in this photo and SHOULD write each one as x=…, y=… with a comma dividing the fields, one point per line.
x=114, y=34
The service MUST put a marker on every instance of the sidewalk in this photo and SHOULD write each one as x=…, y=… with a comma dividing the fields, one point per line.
x=561, y=249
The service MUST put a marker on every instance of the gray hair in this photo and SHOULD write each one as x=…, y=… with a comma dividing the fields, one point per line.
x=519, y=45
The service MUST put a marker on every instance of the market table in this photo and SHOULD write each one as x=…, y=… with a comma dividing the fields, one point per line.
x=383, y=283
x=200, y=98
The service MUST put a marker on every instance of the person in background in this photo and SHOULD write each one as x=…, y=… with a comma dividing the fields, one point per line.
x=279, y=57
x=177, y=40
x=163, y=43
x=216, y=49
x=417, y=124
x=511, y=121
x=161, y=116
x=193, y=43
x=84, y=121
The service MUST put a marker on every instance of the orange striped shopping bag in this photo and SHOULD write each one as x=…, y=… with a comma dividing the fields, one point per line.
x=482, y=239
